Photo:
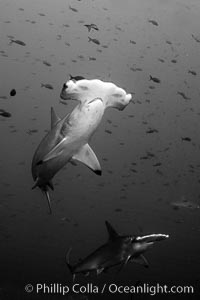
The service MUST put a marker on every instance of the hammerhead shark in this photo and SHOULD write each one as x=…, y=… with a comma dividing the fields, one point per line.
x=119, y=250
x=68, y=137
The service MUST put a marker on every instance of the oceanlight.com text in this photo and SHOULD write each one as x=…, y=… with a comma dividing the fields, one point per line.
x=76, y=288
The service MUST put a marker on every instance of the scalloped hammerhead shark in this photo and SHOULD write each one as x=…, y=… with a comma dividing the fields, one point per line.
x=68, y=138
x=119, y=250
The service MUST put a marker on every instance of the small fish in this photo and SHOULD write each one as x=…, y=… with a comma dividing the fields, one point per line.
x=91, y=26
x=3, y=97
x=76, y=78
x=183, y=95
x=154, y=79
x=31, y=131
x=174, y=61
x=118, y=28
x=192, y=72
x=95, y=41
x=5, y=114
x=144, y=157
x=158, y=164
x=196, y=38
x=185, y=204
x=73, y=9
x=46, y=63
x=13, y=92
x=132, y=42
x=21, y=43
x=135, y=69
x=187, y=139
x=92, y=58
x=108, y=131
x=59, y=37
x=151, y=130
x=153, y=22
x=47, y=86
x=41, y=14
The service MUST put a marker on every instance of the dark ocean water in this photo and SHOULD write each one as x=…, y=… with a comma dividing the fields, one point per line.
x=149, y=152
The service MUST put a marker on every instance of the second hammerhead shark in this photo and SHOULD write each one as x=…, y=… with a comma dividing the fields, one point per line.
x=68, y=138
x=118, y=250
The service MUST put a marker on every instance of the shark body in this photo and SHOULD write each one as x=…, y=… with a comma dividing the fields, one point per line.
x=118, y=250
x=68, y=138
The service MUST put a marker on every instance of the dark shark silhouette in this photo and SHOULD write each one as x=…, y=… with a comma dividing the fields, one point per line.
x=119, y=250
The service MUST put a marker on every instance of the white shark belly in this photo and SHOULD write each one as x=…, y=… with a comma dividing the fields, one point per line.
x=84, y=120
x=78, y=129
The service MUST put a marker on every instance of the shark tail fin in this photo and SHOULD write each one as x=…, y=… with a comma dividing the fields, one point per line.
x=46, y=192
x=70, y=267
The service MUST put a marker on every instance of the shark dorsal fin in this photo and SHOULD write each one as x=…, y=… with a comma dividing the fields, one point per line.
x=54, y=118
x=111, y=231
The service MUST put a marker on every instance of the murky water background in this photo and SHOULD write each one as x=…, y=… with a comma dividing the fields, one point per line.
x=149, y=152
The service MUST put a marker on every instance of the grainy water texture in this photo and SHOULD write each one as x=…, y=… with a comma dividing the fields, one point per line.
x=149, y=152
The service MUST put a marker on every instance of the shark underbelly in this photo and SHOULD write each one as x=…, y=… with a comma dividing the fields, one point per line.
x=75, y=133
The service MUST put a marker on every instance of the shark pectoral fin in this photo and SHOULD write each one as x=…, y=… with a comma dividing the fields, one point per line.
x=140, y=260
x=99, y=271
x=54, y=118
x=87, y=156
x=55, y=152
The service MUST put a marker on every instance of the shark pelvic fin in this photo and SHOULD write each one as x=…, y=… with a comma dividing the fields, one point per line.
x=100, y=270
x=54, y=118
x=87, y=156
x=140, y=260
x=111, y=231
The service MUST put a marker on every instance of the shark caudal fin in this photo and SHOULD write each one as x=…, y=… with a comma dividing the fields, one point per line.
x=44, y=189
x=111, y=231
x=46, y=192
x=70, y=267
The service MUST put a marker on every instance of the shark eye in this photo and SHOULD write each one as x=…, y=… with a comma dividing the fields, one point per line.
x=65, y=86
